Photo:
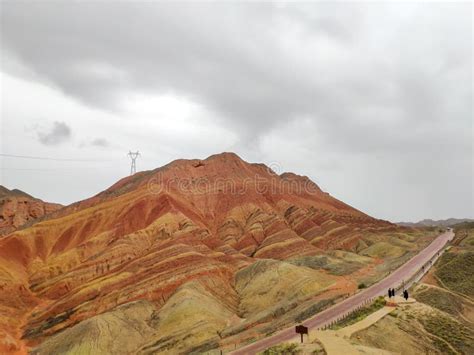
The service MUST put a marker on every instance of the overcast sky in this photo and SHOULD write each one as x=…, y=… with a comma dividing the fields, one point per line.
x=372, y=101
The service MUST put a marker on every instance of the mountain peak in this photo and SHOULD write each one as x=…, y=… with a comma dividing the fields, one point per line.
x=225, y=156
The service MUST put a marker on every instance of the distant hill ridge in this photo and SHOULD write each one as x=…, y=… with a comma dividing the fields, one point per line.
x=17, y=208
x=434, y=223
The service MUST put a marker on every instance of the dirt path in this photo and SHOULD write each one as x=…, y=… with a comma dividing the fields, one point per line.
x=464, y=297
x=337, y=342
x=405, y=272
x=366, y=322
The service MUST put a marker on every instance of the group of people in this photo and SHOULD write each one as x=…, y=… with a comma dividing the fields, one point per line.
x=391, y=293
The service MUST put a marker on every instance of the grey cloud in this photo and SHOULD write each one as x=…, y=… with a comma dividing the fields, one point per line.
x=225, y=56
x=371, y=79
x=255, y=65
x=100, y=142
x=59, y=133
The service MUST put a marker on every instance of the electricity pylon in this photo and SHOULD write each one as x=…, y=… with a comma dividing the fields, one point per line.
x=133, y=156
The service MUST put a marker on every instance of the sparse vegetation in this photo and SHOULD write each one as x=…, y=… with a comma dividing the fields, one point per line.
x=313, y=309
x=360, y=314
x=383, y=250
x=440, y=299
x=455, y=272
x=318, y=348
x=333, y=265
x=283, y=349
x=456, y=334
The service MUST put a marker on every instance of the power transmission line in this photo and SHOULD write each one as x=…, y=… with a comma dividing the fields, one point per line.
x=27, y=169
x=133, y=156
x=49, y=158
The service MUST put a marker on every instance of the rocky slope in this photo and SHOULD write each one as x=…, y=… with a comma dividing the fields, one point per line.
x=18, y=209
x=185, y=248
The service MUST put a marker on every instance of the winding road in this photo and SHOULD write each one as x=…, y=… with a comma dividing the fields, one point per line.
x=405, y=272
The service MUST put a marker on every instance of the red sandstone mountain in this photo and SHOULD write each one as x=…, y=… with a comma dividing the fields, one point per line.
x=18, y=208
x=192, y=226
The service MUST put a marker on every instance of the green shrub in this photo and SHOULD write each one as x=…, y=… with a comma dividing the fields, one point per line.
x=361, y=285
x=283, y=349
x=360, y=314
